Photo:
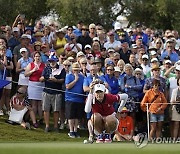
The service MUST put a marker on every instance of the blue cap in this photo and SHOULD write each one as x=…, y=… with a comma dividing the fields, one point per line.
x=53, y=58
x=110, y=62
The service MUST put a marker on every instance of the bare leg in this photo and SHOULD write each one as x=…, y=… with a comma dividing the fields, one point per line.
x=7, y=98
x=34, y=106
x=153, y=129
x=110, y=124
x=56, y=117
x=71, y=124
x=46, y=118
x=159, y=129
x=175, y=130
x=98, y=122
x=76, y=122
x=39, y=107
x=32, y=115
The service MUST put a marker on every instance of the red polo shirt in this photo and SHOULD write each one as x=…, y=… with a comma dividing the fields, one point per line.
x=105, y=107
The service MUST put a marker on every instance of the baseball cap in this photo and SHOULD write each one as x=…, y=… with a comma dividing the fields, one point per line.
x=53, y=58
x=154, y=59
x=178, y=67
x=145, y=57
x=153, y=52
x=15, y=29
x=134, y=46
x=117, y=69
x=168, y=61
x=95, y=39
x=80, y=53
x=111, y=50
x=99, y=87
x=87, y=46
x=124, y=109
x=23, y=49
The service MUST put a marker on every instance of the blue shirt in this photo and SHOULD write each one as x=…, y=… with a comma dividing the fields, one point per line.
x=44, y=58
x=13, y=42
x=77, y=32
x=173, y=56
x=24, y=63
x=113, y=84
x=77, y=88
x=134, y=83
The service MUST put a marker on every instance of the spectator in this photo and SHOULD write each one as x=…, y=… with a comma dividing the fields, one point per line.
x=92, y=30
x=157, y=103
x=78, y=30
x=125, y=129
x=175, y=101
x=60, y=42
x=74, y=99
x=125, y=52
x=21, y=66
x=19, y=102
x=35, y=87
x=14, y=40
x=54, y=76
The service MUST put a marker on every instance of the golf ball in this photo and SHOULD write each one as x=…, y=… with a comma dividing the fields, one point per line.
x=85, y=141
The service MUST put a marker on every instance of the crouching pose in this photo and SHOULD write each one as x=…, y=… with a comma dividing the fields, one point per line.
x=103, y=117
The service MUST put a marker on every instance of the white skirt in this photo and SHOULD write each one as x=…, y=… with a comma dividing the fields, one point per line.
x=35, y=90
x=23, y=81
x=175, y=114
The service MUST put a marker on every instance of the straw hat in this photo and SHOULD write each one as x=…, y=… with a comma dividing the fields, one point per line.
x=75, y=66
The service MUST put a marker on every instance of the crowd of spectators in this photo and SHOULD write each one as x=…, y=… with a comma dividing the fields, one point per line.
x=56, y=65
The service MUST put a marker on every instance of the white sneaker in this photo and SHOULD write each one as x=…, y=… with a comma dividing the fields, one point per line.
x=1, y=113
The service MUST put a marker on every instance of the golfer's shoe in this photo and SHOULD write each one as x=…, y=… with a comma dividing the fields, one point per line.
x=100, y=138
x=107, y=138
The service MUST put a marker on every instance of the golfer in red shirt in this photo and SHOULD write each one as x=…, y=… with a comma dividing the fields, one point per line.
x=103, y=117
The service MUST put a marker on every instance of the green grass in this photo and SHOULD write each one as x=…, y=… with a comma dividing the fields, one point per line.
x=16, y=140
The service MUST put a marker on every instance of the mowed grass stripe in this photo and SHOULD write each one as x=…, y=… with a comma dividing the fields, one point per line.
x=80, y=148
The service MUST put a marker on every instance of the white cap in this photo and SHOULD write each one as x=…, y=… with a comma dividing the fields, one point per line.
x=15, y=29
x=169, y=40
x=111, y=49
x=134, y=46
x=80, y=53
x=99, y=87
x=154, y=59
x=178, y=67
x=23, y=49
x=87, y=46
x=153, y=52
x=145, y=57
x=29, y=36
x=96, y=39
x=168, y=61
x=70, y=58
x=138, y=70
x=117, y=69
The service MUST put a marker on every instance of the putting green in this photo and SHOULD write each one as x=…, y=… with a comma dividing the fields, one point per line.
x=80, y=148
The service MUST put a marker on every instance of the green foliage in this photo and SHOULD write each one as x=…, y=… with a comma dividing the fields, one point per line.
x=33, y=9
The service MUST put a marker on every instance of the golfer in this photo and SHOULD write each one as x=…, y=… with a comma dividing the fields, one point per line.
x=103, y=117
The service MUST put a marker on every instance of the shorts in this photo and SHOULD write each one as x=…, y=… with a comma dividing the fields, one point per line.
x=50, y=100
x=62, y=103
x=156, y=117
x=74, y=110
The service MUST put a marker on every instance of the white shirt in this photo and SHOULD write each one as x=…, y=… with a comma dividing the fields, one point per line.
x=114, y=45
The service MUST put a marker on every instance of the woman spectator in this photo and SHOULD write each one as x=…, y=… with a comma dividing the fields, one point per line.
x=8, y=75
x=157, y=103
x=175, y=100
x=83, y=64
x=21, y=66
x=96, y=49
x=35, y=87
x=60, y=42
x=19, y=102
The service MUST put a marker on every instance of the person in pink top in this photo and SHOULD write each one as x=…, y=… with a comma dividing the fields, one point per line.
x=35, y=87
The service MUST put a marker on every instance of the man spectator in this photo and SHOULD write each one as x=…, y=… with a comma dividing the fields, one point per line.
x=54, y=76
x=74, y=99
x=84, y=39
x=125, y=52
x=78, y=30
x=169, y=51
x=112, y=43
x=14, y=41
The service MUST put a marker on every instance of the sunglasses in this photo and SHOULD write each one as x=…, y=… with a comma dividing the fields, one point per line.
x=158, y=43
x=116, y=59
x=19, y=93
x=84, y=63
x=138, y=73
x=109, y=69
x=67, y=65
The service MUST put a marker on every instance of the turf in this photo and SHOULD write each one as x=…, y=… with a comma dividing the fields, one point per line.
x=16, y=140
